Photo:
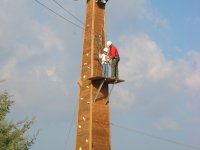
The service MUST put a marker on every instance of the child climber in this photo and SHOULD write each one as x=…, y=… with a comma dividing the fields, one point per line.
x=105, y=62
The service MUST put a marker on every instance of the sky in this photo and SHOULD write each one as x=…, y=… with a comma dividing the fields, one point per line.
x=157, y=108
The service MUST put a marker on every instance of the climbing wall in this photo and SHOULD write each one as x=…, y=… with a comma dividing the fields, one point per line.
x=93, y=118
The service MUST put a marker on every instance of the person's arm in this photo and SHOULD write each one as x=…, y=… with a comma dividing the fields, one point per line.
x=100, y=55
x=112, y=53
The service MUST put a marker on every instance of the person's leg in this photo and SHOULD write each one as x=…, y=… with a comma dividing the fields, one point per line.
x=113, y=68
x=106, y=70
x=117, y=69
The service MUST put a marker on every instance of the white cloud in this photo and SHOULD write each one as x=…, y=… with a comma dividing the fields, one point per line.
x=193, y=80
x=195, y=20
x=143, y=65
x=143, y=59
x=136, y=10
x=7, y=72
x=51, y=73
x=152, y=82
x=122, y=98
x=48, y=38
x=167, y=123
x=32, y=62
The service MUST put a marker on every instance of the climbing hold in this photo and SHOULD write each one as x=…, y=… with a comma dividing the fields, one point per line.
x=86, y=140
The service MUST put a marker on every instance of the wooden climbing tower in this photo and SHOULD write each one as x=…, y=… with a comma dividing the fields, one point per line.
x=93, y=118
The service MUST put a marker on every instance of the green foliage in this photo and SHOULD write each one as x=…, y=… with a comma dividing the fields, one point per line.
x=13, y=135
x=5, y=104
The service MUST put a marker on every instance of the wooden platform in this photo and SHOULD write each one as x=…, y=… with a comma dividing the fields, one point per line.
x=108, y=80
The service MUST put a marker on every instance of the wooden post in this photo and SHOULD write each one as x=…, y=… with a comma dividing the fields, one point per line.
x=93, y=119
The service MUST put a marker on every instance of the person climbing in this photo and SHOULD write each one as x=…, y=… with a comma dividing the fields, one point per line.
x=105, y=62
x=114, y=57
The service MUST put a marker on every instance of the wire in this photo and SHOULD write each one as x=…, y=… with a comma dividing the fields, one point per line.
x=71, y=124
x=80, y=27
x=59, y=15
x=68, y=12
x=155, y=137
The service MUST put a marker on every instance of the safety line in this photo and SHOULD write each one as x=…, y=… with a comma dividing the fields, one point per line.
x=59, y=15
x=155, y=137
x=68, y=12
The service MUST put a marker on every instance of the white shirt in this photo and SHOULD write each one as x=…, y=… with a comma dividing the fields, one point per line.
x=104, y=58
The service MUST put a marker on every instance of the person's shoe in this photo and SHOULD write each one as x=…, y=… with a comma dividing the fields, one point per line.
x=112, y=78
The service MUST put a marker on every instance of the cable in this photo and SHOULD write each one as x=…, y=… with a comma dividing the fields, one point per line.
x=70, y=127
x=68, y=12
x=80, y=27
x=59, y=15
x=155, y=137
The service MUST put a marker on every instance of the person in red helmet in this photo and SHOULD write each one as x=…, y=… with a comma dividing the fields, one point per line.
x=114, y=57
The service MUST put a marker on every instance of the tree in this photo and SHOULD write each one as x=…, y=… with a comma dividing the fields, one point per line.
x=13, y=135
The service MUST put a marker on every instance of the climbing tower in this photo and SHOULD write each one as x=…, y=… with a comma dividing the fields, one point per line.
x=93, y=118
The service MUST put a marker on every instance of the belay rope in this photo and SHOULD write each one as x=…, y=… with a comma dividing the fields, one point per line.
x=98, y=40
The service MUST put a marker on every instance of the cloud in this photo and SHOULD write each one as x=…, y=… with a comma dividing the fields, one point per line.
x=51, y=73
x=137, y=11
x=121, y=98
x=47, y=37
x=167, y=123
x=7, y=70
x=33, y=61
x=152, y=82
x=195, y=20
x=143, y=59
x=143, y=65
x=193, y=80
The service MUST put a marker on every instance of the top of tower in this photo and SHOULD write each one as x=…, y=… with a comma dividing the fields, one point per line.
x=102, y=1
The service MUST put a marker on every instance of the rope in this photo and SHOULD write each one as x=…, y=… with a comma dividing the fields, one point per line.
x=70, y=127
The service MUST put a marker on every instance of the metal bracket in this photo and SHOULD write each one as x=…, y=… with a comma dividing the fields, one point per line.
x=99, y=89
x=107, y=100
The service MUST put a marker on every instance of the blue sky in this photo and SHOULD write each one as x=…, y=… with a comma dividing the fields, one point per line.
x=160, y=61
